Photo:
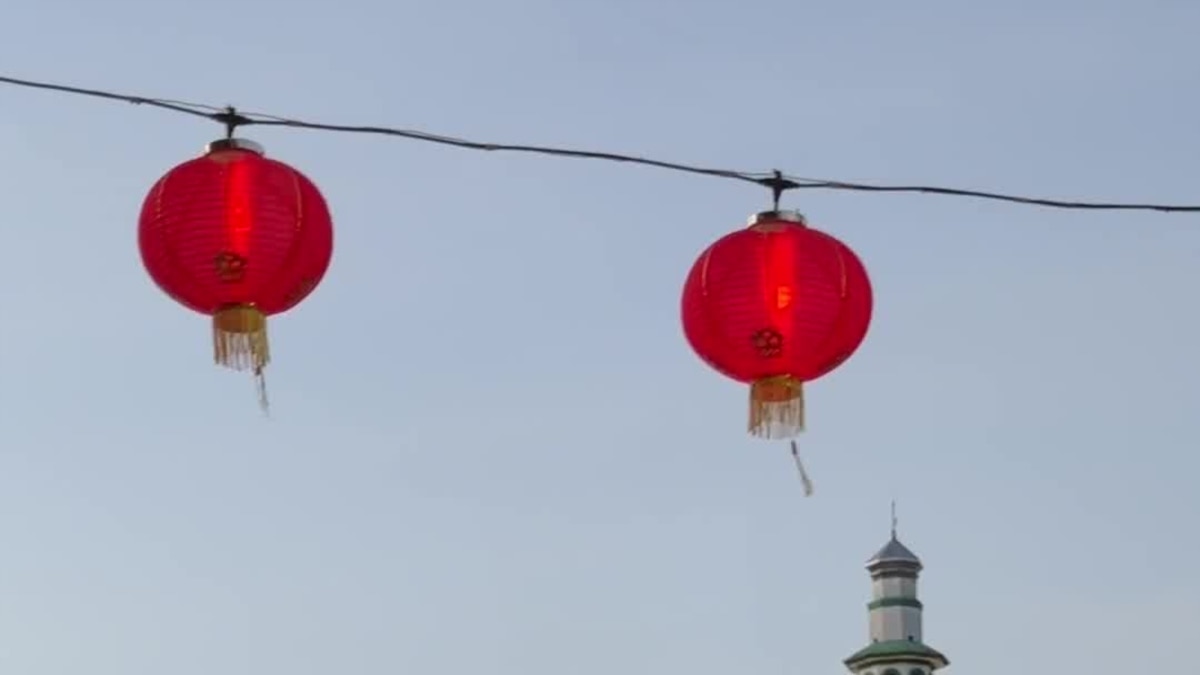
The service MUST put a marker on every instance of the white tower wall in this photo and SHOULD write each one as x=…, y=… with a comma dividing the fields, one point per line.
x=894, y=587
x=895, y=623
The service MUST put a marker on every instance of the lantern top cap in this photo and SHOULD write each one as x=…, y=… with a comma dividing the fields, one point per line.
x=777, y=216
x=234, y=144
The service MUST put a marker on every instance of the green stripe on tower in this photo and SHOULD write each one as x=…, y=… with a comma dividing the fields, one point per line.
x=895, y=602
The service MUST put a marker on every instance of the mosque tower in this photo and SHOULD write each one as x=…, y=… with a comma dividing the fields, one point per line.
x=897, y=645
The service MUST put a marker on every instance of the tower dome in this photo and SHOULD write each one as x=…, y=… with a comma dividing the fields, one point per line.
x=894, y=554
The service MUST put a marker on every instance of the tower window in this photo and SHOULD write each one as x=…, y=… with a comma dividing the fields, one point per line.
x=891, y=671
x=916, y=671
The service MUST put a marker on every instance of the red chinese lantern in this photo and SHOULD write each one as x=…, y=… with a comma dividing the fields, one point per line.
x=239, y=237
x=776, y=305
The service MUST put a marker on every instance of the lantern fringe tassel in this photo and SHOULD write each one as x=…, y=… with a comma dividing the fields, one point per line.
x=240, y=343
x=777, y=407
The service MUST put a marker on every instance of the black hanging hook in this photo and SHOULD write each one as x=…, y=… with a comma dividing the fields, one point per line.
x=232, y=120
x=778, y=184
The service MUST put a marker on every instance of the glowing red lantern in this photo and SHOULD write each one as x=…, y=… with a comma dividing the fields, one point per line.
x=238, y=237
x=776, y=305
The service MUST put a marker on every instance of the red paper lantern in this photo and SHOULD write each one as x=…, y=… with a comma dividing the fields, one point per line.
x=238, y=237
x=776, y=305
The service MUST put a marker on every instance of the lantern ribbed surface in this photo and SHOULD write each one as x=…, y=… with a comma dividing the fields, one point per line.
x=775, y=305
x=234, y=227
x=239, y=237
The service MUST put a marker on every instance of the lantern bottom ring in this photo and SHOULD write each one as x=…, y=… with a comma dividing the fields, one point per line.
x=776, y=407
x=240, y=338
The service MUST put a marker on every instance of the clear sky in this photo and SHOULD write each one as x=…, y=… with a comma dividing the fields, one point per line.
x=491, y=450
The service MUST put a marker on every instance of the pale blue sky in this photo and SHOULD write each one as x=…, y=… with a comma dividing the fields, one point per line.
x=492, y=451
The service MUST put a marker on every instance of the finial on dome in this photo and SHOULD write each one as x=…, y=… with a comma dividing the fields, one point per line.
x=894, y=553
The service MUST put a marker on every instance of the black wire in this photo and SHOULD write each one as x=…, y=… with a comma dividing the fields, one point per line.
x=776, y=181
x=1056, y=203
x=197, y=109
x=504, y=147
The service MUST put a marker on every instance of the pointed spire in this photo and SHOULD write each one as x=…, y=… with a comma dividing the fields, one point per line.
x=893, y=552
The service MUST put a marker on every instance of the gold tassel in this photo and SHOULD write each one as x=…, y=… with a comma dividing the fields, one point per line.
x=240, y=343
x=777, y=407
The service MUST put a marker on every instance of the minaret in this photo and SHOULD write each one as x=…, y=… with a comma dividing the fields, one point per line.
x=897, y=646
